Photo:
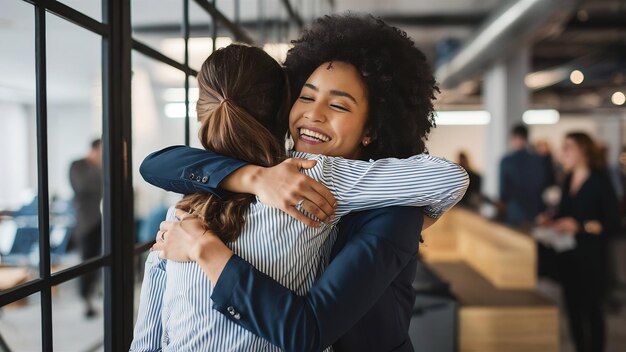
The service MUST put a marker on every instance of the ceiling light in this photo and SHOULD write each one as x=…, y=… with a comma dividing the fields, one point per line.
x=546, y=78
x=618, y=98
x=476, y=117
x=541, y=117
x=577, y=77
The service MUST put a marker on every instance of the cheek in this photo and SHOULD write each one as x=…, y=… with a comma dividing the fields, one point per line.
x=347, y=132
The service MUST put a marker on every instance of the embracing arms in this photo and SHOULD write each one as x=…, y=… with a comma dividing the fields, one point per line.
x=381, y=243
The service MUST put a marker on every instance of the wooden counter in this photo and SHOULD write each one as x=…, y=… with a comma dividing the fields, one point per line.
x=507, y=258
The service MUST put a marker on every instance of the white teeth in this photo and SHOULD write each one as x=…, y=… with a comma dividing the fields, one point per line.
x=314, y=134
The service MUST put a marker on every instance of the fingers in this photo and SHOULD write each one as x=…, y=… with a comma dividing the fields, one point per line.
x=312, y=208
x=303, y=163
x=296, y=214
x=325, y=194
x=320, y=196
x=321, y=201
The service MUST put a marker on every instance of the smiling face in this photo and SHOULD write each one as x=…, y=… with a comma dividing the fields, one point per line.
x=330, y=115
x=572, y=155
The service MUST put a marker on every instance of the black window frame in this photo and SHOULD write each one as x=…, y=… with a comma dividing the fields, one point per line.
x=119, y=248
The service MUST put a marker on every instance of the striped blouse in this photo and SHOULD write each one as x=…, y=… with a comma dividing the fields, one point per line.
x=175, y=311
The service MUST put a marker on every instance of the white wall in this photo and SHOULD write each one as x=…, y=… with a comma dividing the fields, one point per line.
x=447, y=141
x=71, y=128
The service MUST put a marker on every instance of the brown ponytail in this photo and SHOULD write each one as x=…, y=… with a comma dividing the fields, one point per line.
x=235, y=82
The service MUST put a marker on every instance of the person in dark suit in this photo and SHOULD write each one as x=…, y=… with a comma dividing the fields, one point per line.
x=523, y=178
x=86, y=181
x=364, y=298
x=589, y=211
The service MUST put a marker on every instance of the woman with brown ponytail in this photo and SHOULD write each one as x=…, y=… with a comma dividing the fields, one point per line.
x=588, y=210
x=243, y=94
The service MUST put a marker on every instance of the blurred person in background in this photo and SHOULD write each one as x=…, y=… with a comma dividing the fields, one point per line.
x=86, y=181
x=472, y=197
x=543, y=149
x=588, y=210
x=523, y=178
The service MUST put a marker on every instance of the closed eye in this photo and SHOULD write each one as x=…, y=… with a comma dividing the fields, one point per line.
x=342, y=108
x=305, y=98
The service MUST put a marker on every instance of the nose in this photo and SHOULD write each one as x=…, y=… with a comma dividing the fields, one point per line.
x=316, y=113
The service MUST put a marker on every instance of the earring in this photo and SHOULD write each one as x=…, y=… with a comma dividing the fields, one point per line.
x=288, y=142
x=366, y=142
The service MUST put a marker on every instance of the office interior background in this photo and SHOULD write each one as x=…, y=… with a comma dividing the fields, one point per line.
x=73, y=71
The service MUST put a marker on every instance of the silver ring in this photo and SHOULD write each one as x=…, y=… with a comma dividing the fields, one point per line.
x=299, y=205
x=162, y=236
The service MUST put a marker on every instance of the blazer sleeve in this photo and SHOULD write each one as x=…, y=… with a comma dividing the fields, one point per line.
x=348, y=288
x=187, y=170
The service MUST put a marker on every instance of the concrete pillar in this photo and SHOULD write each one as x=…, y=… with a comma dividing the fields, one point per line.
x=610, y=134
x=505, y=97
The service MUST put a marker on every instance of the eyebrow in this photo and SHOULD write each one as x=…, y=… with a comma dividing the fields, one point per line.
x=338, y=93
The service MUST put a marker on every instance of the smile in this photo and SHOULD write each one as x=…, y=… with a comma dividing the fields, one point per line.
x=312, y=136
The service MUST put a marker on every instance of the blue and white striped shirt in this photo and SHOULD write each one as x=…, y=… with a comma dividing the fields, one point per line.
x=175, y=311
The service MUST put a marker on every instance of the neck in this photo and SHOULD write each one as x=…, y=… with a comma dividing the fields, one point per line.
x=581, y=170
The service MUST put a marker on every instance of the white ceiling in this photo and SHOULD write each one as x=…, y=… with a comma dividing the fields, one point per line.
x=74, y=70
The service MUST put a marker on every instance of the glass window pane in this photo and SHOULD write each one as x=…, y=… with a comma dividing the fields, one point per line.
x=91, y=8
x=78, y=314
x=194, y=124
x=200, y=36
x=20, y=324
x=74, y=154
x=158, y=110
x=19, y=236
x=162, y=29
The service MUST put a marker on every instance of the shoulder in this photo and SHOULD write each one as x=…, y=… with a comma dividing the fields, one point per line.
x=507, y=159
x=601, y=178
x=78, y=162
x=171, y=214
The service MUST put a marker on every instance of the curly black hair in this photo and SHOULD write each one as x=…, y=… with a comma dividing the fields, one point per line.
x=400, y=84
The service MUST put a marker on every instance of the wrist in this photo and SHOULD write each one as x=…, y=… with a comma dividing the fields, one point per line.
x=212, y=255
x=244, y=180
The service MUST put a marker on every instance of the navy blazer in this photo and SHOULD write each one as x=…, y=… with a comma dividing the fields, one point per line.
x=523, y=178
x=361, y=302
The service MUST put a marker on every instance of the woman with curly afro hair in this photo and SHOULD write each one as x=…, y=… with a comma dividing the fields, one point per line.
x=360, y=90
x=399, y=84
